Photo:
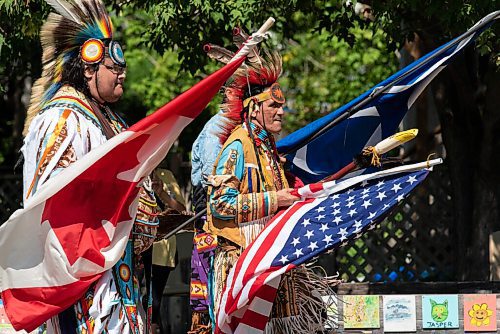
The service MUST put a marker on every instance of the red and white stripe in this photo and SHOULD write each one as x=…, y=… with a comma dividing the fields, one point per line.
x=252, y=283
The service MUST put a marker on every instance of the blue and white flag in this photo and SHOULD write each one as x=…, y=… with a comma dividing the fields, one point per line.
x=387, y=104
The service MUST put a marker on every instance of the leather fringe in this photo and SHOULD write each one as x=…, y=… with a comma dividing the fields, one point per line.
x=312, y=308
x=250, y=230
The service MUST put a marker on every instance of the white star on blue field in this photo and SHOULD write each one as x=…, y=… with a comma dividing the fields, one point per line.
x=344, y=216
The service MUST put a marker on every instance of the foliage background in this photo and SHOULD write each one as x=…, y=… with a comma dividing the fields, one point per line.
x=163, y=60
x=330, y=55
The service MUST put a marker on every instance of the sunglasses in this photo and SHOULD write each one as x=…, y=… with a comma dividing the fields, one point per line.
x=116, y=69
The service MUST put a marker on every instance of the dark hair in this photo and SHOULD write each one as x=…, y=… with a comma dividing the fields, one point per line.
x=73, y=74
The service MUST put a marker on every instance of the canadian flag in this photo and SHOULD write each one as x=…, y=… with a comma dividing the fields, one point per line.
x=77, y=224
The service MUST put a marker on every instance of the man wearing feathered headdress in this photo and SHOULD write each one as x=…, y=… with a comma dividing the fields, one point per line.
x=248, y=186
x=69, y=115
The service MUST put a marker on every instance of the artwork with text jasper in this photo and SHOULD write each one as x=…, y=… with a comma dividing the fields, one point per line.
x=440, y=311
x=361, y=312
x=399, y=314
x=480, y=313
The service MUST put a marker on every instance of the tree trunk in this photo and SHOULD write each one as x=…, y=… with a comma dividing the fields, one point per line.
x=468, y=126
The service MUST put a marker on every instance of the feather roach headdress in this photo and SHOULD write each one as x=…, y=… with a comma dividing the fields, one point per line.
x=79, y=33
x=255, y=81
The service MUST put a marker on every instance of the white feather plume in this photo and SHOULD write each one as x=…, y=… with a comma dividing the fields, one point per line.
x=65, y=9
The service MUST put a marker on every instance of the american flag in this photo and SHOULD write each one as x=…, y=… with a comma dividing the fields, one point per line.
x=328, y=217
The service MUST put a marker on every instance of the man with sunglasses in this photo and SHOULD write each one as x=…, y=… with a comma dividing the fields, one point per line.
x=69, y=115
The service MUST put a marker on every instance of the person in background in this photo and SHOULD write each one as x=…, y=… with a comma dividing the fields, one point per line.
x=205, y=150
x=161, y=259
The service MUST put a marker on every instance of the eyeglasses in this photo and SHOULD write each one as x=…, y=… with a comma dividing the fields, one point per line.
x=116, y=69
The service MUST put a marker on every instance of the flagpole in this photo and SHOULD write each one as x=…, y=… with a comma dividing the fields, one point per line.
x=382, y=89
x=187, y=222
x=253, y=40
x=344, y=184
